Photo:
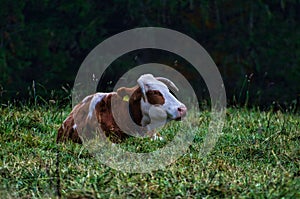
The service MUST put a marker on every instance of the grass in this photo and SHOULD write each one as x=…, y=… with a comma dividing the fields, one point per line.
x=257, y=156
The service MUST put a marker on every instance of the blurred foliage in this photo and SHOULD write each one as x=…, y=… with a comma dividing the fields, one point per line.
x=256, y=44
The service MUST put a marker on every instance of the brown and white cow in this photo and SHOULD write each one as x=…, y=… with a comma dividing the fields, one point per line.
x=141, y=108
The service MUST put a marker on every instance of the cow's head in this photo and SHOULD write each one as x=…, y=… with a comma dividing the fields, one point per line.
x=157, y=100
x=150, y=104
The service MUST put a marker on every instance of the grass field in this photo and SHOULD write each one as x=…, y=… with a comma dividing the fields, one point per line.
x=257, y=156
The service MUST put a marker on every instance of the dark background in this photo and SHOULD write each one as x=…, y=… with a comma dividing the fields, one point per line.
x=255, y=44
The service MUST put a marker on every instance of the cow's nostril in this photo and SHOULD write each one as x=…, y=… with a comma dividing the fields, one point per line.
x=182, y=110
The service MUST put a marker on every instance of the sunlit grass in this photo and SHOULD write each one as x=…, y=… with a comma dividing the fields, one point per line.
x=257, y=155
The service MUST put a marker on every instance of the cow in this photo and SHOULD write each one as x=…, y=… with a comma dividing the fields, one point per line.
x=138, y=109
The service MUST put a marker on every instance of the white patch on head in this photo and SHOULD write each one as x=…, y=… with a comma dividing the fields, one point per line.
x=74, y=126
x=171, y=104
x=96, y=98
x=149, y=82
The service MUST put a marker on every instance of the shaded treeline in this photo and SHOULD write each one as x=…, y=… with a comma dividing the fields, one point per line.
x=255, y=44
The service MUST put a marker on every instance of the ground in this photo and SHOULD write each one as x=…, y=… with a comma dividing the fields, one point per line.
x=257, y=155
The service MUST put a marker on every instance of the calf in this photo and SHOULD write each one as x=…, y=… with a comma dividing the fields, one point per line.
x=138, y=110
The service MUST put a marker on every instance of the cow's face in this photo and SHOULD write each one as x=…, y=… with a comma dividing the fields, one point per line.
x=156, y=93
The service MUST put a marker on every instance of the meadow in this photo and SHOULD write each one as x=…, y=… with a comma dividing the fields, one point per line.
x=257, y=156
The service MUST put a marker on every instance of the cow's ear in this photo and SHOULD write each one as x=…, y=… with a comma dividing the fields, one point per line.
x=123, y=91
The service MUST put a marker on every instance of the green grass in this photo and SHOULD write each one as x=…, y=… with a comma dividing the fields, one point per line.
x=257, y=155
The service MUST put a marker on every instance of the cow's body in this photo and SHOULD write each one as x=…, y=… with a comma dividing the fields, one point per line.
x=140, y=109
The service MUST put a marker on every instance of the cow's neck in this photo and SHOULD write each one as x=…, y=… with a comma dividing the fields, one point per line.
x=135, y=106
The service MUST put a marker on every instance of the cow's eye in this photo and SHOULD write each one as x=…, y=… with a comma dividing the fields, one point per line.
x=155, y=97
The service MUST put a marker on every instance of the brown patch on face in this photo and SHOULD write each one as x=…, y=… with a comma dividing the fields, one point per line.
x=155, y=97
